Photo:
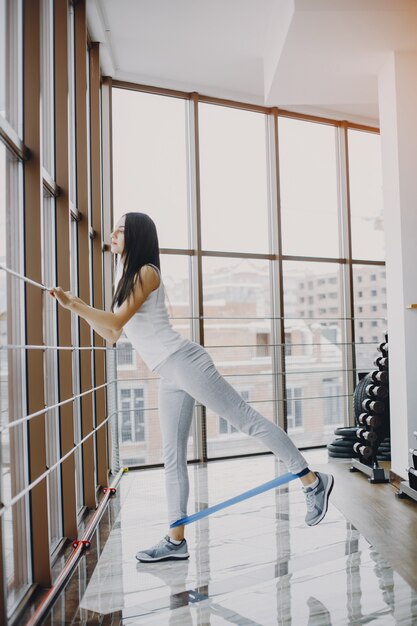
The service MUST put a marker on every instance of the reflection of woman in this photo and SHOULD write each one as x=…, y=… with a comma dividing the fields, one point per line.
x=187, y=373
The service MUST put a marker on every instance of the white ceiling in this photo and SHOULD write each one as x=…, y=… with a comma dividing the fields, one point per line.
x=313, y=56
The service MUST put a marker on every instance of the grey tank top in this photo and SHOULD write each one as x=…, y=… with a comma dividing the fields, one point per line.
x=149, y=330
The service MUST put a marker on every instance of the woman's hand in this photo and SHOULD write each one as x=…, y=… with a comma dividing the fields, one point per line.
x=65, y=298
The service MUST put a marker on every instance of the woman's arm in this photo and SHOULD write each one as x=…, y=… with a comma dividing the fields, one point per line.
x=96, y=317
x=107, y=320
x=110, y=335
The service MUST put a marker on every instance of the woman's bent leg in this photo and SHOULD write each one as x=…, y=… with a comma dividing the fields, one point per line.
x=192, y=369
x=175, y=414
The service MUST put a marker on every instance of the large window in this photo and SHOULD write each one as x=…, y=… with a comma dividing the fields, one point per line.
x=150, y=162
x=365, y=180
x=13, y=440
x=370, y=300
x=234, y=184
x=237, y=317
x=309, y=188
x=11, y=65
x=314, y=330
x=71, y=108
x=48, y=113
x=38, y=248
x=235, y=215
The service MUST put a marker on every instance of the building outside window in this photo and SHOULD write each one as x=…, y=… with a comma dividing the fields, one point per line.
x=132, y=416
x=294, y=408
x=333, y=402
x=125, y=354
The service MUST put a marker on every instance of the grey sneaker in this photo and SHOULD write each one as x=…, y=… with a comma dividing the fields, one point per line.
x=318, y=498
x=165, y=550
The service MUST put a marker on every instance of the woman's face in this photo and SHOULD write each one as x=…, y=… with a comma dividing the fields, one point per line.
x=118, y=237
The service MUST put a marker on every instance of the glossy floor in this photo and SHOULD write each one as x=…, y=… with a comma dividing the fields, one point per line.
x=255, y=563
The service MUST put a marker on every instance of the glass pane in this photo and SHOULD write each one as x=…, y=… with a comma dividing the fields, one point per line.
x=233, y=179
x=150, y=162
x=3, y=48
x=237, y=333
x=314, y=351
x=13, y=442
x=308, y=187
x=370, y=299
x=139, y=435
x=71, y=108
x=175, y=271
x=47, y=86
x=366, y=201
x=11, y=60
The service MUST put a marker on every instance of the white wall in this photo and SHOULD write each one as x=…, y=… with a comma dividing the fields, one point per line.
x=397, y=85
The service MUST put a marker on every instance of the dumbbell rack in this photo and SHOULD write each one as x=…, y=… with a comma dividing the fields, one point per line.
x=374, y=422
x=410, y=488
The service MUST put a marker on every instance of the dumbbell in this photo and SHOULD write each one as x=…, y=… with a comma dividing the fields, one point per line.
x=377, y=391
x=369, y=435
x=365, y=451
x=383, y=347
x=373, y=406
x=381, y=362
x=379, y=376
x=369, y=420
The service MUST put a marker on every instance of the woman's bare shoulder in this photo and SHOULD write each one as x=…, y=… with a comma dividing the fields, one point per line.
x=151, y=277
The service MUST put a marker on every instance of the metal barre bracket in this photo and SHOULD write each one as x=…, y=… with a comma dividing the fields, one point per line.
x=84, y=544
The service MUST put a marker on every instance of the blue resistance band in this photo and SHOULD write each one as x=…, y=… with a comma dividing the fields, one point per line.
x=276, y=482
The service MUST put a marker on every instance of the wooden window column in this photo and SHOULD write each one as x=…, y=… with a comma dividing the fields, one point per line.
x=69, y=507
x=107, y=223
x=34, y=295
x=86, y=375
x=97, y=273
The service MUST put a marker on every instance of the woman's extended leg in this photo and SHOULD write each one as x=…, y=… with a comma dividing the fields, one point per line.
x=192, y=369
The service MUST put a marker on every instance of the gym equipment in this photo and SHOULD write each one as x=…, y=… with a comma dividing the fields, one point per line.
x=383, y=347
x=272, y=484
x=369, y=420
x=342, y=443
x=410, y=489
x=360, y=394
x=370, y=436
x=347, y=432
x=373, y=406
x=381, y=362
x=377, y=391
x=374, y=420
x=379, y=376
x=365, y=451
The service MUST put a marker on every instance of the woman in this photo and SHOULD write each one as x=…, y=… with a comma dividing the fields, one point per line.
x=187, y=374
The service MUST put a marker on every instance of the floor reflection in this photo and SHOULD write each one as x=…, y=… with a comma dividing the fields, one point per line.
x=256, y=563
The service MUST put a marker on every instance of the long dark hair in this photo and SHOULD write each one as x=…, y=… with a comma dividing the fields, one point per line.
x=141, y=248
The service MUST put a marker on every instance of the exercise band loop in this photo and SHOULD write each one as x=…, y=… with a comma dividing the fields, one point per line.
x=272, y=484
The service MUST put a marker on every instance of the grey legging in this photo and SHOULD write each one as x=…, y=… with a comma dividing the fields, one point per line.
x=190, y=374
